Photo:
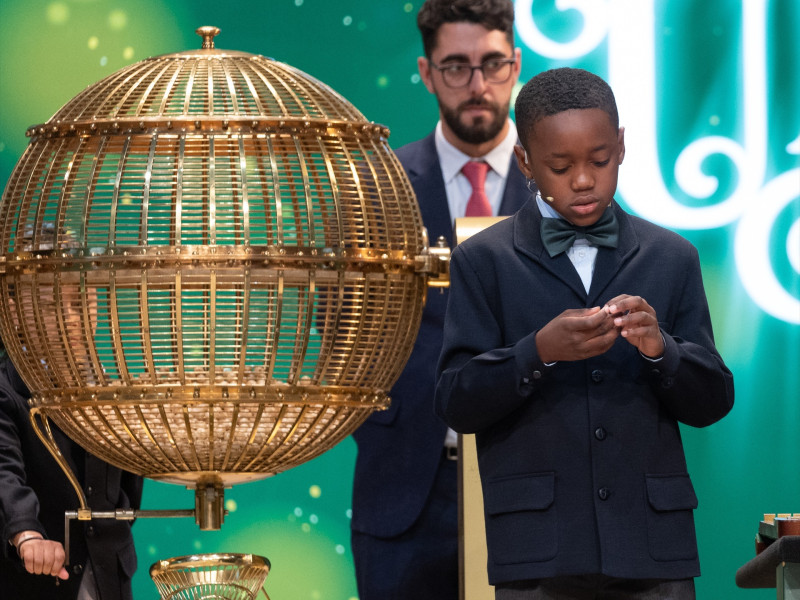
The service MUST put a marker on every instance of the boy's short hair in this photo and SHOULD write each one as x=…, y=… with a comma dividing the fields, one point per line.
x=554, y=91
x=492, y=14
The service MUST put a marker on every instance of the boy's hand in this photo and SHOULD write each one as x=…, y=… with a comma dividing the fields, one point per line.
x=576, y=334
x=637, y=322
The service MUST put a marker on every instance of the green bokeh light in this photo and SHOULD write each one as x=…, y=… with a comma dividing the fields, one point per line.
x=57, y=13
x=117, y=20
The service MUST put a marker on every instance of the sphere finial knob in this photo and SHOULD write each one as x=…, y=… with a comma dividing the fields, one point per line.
x=207, y=32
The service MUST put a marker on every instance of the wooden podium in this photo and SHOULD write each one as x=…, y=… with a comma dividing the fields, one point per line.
x=472, y=554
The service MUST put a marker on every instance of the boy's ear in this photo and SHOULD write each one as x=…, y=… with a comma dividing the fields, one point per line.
x=621, y=142
x=522, y=161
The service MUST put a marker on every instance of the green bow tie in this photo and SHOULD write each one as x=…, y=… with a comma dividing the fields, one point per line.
x=559, y=234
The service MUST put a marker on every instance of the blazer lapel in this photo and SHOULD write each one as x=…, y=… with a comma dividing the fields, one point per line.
x=610, y=260
x=425, y=174
x=516, y=192
x=528, y=241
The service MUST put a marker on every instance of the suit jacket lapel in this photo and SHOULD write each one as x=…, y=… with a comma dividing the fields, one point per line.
x=425, y=174
x=610, y=260
x=528, y=241
x=516, y=192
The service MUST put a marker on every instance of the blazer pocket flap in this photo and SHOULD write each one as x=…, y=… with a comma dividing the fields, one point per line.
x=127, y=559
x=523, y=492
x=671, y=492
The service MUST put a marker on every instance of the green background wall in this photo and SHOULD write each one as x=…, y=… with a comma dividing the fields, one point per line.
x=709, y=93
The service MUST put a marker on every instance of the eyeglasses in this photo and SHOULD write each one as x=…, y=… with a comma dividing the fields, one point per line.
x=494, y=70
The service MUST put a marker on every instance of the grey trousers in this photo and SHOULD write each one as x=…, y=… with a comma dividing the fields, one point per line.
x=596, y=587
x=88, y=589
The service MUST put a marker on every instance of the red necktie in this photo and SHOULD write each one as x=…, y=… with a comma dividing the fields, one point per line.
x=478, y=205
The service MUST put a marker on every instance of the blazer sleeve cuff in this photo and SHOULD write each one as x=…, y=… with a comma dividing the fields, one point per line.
x=662, y=371
x=530, y=369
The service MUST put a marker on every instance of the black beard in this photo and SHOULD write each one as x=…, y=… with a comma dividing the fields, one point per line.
x=480, y=131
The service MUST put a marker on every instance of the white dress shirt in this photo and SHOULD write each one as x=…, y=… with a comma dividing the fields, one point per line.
x=459, y=189
x=457, y=185
x=582, y=253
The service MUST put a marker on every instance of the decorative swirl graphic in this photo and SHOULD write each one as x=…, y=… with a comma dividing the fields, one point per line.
x=631, y=73
x=595, y=21
x=632, y=64
x=752, y=247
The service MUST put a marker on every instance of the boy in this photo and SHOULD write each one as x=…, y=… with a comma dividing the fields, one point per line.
x=574, y=362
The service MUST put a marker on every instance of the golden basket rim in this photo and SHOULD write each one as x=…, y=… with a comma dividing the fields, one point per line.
x=210, y=559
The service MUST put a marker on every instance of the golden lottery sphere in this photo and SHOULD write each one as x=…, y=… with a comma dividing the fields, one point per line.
x=212, y=267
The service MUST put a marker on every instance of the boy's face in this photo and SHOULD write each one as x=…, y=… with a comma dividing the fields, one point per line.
x=476, y=113
x=574, y=158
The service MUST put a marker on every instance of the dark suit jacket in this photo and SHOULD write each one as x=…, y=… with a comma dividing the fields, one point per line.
x=35, y=492
x=399, y=449
x=581, y=463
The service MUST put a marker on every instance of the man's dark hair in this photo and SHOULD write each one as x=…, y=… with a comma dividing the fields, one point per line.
x=554, y=91
x=492, y=14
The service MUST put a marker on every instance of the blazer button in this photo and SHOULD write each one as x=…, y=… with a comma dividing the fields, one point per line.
x=77, y=569
x=600, y=433
x=603, y=493
x=597, y=376
x=537, y=374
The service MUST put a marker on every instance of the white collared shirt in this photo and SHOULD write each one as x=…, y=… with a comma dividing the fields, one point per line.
x=581, y=253
x=458, y=188
x=456, y=184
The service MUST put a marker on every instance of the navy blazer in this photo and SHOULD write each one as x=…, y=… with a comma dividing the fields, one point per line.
x=582, y=464
x=399, y=449
x=35, y=492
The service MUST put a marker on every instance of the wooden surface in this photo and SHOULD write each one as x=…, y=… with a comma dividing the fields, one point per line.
x=472, y=533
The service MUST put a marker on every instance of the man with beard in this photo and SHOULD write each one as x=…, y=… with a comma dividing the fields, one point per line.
x=405, y=511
